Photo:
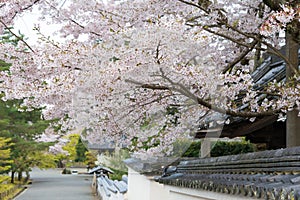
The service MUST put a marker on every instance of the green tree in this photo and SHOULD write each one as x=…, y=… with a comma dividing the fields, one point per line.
x=75, y=151
x=80, y=151
x=21, y=125
x=5, y=160
x=9, y=37
x=70, y=147
x=90, y=159
x=23, y=128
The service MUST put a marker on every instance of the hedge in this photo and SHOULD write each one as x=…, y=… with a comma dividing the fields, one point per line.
x=221, y=148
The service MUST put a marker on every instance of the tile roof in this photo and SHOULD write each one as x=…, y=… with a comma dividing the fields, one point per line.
x=111, y=189
x=273, y=174
x=99, y=169
x=273, y=68
x=151, y=165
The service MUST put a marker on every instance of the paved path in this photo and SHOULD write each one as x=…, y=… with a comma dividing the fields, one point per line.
x=52, y=185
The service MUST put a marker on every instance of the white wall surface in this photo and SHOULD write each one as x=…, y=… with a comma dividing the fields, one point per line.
x=141, y=187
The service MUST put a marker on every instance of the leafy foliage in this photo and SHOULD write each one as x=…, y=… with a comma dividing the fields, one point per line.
x=70, y=146
x=117, y=175
x=4, y=66
x=8, y=37
x=221, y=148
x=5, y=160
x=23, y=128
x=90, y=160
x=232, y=148
x=115, y=160
x=4, y=155
x=80, y=151
x=193, y=150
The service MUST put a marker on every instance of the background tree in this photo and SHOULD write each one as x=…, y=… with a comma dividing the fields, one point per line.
x=23, y=128
x=80, y=151
x=90, y=160
x=5, y=160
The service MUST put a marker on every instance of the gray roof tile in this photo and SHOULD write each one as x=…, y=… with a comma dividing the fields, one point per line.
x=110, y=188
x=273, y=68
x=273, y=174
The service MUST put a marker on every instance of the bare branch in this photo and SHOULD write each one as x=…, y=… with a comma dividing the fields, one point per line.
x=18, y=37
x=45, y=38
x=157, y=57
x=73, y=21
x=240, y=57
x=195, y=5
x=81, y=26
x=225, y=36
x=276, y=52
x=25, y=8
x=269, y=93
x=148, y=86
x=180, y=88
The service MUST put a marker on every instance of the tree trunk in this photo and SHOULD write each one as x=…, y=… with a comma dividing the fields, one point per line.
x=27, y=176
x=292, y=121
x=12, y=180
x=20, y=175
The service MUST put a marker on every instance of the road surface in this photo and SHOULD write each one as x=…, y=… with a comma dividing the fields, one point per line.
x=52, y=185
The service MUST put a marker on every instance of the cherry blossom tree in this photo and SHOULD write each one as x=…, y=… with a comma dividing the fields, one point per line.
x=150, y=70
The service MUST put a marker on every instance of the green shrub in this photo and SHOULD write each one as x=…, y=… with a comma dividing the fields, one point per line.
x=180, y=146
x=221, y=148
x=193, y=150
x=66, y=171
x=231, y=148
x=117, y=175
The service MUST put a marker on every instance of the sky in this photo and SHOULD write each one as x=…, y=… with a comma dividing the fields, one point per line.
x=26, y=22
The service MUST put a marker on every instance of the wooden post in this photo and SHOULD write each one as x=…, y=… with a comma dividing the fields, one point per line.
x=292, y=121
x=94, y=184
x=205, y=147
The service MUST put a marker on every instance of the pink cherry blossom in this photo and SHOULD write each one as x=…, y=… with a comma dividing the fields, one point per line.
x=141, y=60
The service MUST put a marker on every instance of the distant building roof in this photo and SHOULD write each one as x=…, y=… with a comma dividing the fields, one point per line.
x=103, y=147
x=100, y=169
x=273, y=174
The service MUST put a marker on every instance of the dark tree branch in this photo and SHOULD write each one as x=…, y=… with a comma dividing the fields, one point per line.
x=18, y=37
x=206, y=28
x=195, y=5
x=181, y=89
x=157, y=56
x=81, y=26
x=274, y=4
x=276, y=52
x=148, y=86
x=269, y=93
x=240, y=57
x=25, y=8
x=75, y=22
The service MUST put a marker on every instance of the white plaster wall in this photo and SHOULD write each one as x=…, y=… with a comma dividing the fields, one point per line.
x=138, y=186
x=178, y=193
x=158, y=191
x=141, y=187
